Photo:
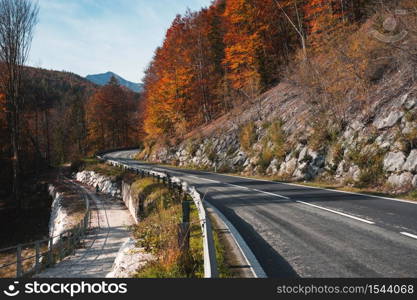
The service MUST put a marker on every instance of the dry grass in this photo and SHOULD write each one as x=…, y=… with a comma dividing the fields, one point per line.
x=248, y=136
x=28, y=258
x=158, y=233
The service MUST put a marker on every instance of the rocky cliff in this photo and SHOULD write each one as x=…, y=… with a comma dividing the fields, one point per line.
x=104, y=183
x=377, y=146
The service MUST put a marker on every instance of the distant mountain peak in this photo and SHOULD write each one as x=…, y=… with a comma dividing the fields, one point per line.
x=104, y=78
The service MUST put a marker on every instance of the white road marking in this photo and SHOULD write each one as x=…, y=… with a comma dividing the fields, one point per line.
x=409, y=235
x=192, y=176
x=238, y=186
x=313, y=187
x=247, y=253
x=336, y=212
x=241, y=187
x=273, y=194
x=324, y=189
x=284, y=197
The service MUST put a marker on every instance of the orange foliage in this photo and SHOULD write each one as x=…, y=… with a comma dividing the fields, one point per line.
x=214, y=59
x=109, y=116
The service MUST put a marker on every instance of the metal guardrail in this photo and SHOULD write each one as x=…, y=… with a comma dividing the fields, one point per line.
x=209, y=249
x=31, y=258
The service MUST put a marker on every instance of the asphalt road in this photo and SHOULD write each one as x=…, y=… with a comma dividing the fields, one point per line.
x=297, y=231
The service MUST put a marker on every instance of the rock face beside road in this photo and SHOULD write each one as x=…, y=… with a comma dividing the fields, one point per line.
x=59, y=220
x=68, y=207
x=104, y=183
x=129, y=260
x=376, y=147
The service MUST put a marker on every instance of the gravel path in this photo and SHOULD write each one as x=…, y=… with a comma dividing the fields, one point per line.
x=109, y=221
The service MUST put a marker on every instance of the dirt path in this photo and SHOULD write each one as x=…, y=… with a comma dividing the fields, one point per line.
x=109, y=221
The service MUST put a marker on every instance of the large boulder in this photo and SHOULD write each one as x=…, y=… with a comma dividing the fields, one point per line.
x=301, y=173
x=394, y=161
x=401, y=180
x=390, y=121
x=303, y=154
x=288, y=167
x=239, y=159
x=273, y=167
x=408, y=101
x=414, y=182
x=411, y=163
x=354, y=173
x=129, y=260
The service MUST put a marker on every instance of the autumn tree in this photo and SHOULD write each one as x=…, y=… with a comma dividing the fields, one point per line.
x=17, y=21
x=228, y=54
x=109, y=117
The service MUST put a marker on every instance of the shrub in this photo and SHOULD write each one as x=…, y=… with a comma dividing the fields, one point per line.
x=322, y=136
x=338, y=153
x=278, y=138
x=265, y=159
x=248, y=136
x=410, y=116
x=370, y=162
x=192, y=146
x=411, y=139
x=147, y=149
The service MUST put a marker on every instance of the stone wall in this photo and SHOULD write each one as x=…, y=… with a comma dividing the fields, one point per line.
x=119, y=189
x=131, y=200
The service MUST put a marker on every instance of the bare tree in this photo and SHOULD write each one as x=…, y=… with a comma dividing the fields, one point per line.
x=297, y=27
x=17, y=21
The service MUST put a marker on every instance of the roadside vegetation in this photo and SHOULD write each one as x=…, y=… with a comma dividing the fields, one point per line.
x=160, y=214
x=158, y=233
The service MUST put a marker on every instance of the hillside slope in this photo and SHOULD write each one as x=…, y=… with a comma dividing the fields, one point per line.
x=341, y=116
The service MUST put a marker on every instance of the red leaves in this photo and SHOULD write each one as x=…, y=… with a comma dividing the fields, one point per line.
x=110, y=112
x=234, y=50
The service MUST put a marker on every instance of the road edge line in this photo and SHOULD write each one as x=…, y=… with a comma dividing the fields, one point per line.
x=247, y=253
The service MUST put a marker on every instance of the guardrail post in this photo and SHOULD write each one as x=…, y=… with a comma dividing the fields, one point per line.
x=186, y=211
x=61, y=246
x=50, y=252
x=37, y=257
x=184, y=237
x=19, y=270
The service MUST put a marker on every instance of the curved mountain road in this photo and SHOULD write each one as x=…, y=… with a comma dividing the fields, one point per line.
x=297, y=231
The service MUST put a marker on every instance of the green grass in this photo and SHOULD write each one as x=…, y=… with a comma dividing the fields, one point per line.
x=157, y=233
x=105, y=169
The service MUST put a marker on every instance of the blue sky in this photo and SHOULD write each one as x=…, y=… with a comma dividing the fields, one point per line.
x=95, y=36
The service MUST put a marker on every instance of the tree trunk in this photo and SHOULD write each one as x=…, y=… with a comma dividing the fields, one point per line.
x=16, y=158
x=48, y=144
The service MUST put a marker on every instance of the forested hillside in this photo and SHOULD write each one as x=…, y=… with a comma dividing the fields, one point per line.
x=60, y=117
x=299, y=90
x=218, y=58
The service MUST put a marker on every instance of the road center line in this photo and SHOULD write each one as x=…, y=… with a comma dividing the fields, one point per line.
x=272, y=194
x=336, y=212
x=297, y=201
x=409, y=235
x=242, y=187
